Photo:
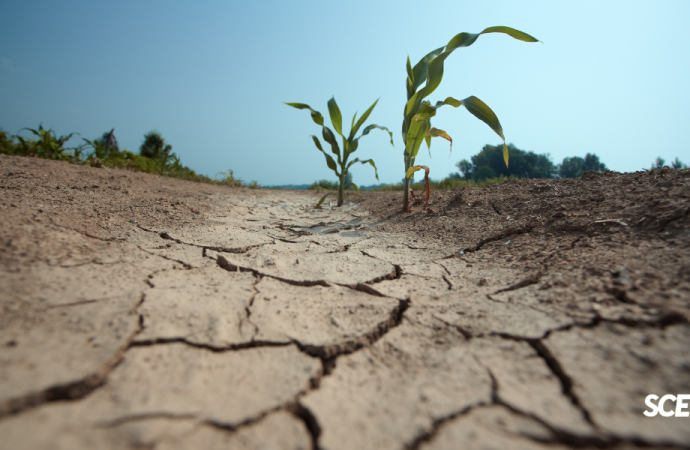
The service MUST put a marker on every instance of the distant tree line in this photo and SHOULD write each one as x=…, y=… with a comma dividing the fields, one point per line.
x=523, y=164
x=675, y=164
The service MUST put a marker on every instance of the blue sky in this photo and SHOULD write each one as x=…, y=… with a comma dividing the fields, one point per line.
x=211, y=76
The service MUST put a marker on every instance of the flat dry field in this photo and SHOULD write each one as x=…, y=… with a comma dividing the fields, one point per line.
x=139, y=311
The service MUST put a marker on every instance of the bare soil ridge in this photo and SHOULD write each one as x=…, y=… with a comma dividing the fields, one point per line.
x=146, y=312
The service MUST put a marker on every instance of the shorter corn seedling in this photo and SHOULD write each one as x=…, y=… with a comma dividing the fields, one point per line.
x=349, y=143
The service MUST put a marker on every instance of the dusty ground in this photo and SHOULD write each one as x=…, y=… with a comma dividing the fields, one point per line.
x=146, y=312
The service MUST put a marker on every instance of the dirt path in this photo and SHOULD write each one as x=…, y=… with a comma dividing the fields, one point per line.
x=145, y=312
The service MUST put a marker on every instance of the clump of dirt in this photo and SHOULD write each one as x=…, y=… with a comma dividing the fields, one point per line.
x=634, y=228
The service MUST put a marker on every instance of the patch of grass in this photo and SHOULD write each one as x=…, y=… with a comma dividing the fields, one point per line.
x=47, y=145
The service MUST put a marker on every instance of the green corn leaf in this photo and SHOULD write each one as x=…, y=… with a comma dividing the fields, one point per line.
x=474, y=105
x=329, y=159
x=370, y=161
x=435, y=70
x=512, y=32
x=315, y=115
x=329, y=137
x=410, y=75
x=355, y=186
x=420, y=69
x=467, y=39
x=318, y=205
x=353, y=122
x=34, y=131
x=416, y=135
x=336, y=117
x=362, y=119
x=413, y=103
x=435, y=73
x=371, y=127
x=353, y=146
x=482, y=112
x=412, y=170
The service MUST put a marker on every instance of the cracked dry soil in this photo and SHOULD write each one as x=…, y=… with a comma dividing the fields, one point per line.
x=146, y=312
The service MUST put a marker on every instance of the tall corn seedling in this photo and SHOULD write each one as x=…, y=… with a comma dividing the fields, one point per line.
x=418, y=112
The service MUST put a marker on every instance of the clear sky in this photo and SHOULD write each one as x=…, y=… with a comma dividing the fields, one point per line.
x=610, y=78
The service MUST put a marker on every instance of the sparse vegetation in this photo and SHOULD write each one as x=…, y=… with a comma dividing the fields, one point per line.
x=660, y=163
x=104, y=153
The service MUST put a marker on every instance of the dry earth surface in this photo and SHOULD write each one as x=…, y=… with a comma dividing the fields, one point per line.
x=139, y=311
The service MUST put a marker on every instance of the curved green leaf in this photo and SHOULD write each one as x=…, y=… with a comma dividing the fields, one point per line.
x=420, y=69
x=435, y=73
x=315, y=115
x=362, y=119
x=467, y=39
x=352, y=147
x=371, y=127
x=355, y=186
x=482, y=112
x=370, y=161
x=329, y=159
x=414, y=169
x=318, y=205
x=435, y=70
x=408, y=67
x=336, y=117
x=329, y=137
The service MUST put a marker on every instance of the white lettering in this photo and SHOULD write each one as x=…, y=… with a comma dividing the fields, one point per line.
x=680, y=405
x=654, y=409
x=662, y=411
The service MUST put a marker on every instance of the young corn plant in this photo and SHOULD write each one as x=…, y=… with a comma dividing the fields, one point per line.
x=48, y=145
x=418, y=112
x=349, y=143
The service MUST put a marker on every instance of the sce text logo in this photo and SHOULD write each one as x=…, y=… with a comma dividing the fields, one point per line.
x=659, y=409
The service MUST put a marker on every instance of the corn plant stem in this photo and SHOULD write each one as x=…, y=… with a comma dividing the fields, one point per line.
x=406, y=187
x=340, y=189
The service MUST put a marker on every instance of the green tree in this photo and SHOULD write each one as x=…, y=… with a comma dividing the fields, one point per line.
x=465, y=168
x=572, y=167
x=659, y=163
x=678, y=164
x=154, y=146
x=591, y=162
x=523, y=164
x=483, y=173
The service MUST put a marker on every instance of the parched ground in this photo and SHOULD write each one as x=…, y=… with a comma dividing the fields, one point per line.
x=139, y=311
